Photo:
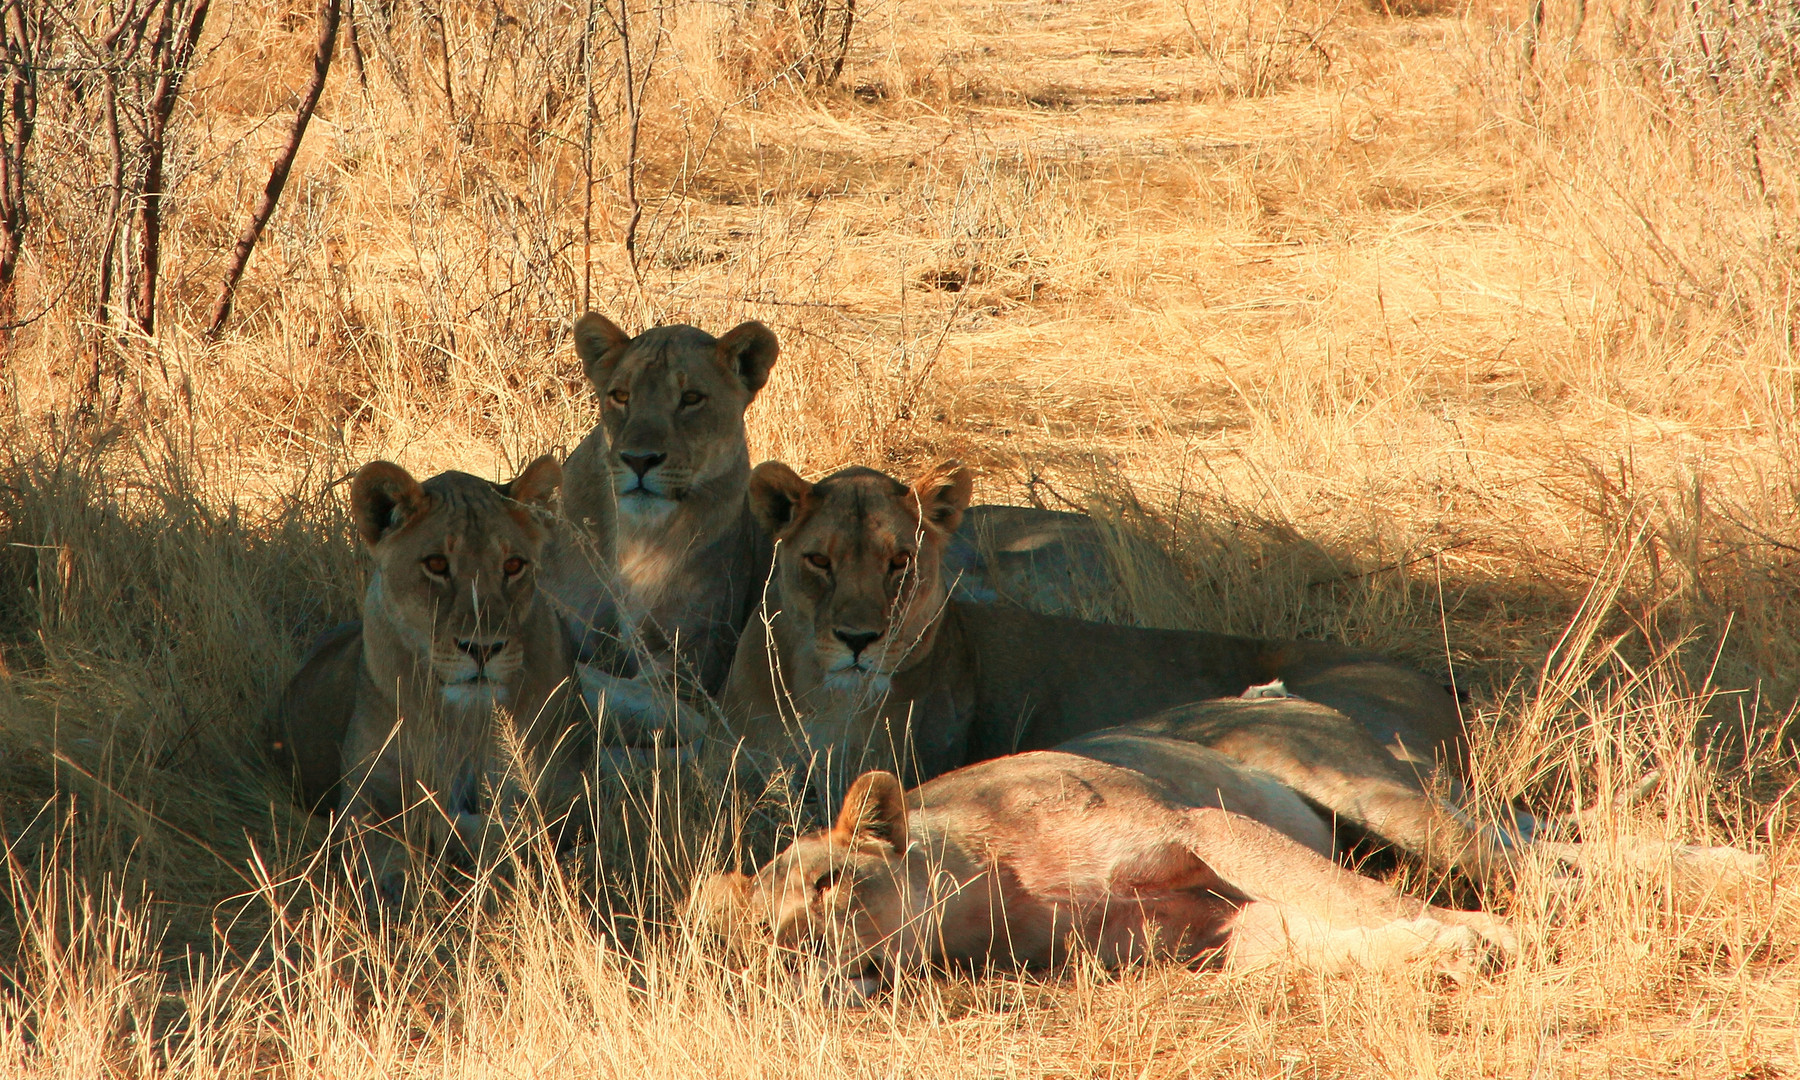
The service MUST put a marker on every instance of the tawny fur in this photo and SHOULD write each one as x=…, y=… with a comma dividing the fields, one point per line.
x=1329, y=760
x=685, y=557
x=460, y=663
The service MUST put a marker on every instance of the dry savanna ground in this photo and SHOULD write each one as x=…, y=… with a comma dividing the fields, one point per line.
x=1465, y=332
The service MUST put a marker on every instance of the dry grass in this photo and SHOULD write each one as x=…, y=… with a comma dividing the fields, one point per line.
x=1403, y=324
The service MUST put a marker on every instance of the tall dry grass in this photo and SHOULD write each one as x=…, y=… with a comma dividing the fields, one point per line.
x=1458, y=333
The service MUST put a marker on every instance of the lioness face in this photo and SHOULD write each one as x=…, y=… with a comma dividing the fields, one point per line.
x=859, y=562
x=838, y=895
x=456, y=568
x=672, y=400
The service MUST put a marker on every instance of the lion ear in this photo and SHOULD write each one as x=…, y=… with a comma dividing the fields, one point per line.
x=944, y=493
x=749, y=351
x=599, y=343
x=721, y=903
x=537, y=485
x=384, y=497
x=875, y=809
x=776, y=495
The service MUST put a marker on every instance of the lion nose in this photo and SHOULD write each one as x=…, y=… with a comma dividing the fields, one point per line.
x=481, y=651
x=857, y=640
x=642, y=463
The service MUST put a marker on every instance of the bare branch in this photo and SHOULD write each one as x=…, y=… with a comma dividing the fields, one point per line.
x=22, y=34
x=355, y=43
x=172, y=48
x=278, y=175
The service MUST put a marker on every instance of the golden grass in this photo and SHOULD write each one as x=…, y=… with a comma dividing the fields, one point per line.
x=1399, y=323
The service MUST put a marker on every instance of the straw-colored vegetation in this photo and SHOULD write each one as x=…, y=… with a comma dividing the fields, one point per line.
x=1467, y=333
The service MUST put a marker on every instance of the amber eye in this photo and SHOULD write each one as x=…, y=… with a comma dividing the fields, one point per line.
x=620, y=397
x=436, y=565
x=818, y=561
x=900, y=561
x=825, y=881
x=513, y=566
x=692, y=398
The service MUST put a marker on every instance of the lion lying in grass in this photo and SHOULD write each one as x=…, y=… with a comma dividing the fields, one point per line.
x=864, y=661
x=863, y=656
x=1029, y=860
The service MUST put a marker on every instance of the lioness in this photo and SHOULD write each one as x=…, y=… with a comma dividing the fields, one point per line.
x=688, y=555
x=459, y=658
x=863, y=658
x=1015, y=862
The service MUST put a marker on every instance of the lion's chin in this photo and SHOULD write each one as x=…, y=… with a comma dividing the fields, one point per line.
x=475, y=694
x=642, y=509
x=852, y=680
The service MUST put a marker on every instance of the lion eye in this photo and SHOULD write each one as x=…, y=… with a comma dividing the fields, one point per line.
x=900, y=561
x=825, y=881
x=620, y=397
x=818, y=561
x=692, y=398
x=513, y=566
x=436, y=565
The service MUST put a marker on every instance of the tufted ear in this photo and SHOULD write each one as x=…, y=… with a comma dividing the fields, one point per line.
x=384, y=497
x=537, y=485
x=944, y=493
x=777, y=494
x=599, y=343
x=749, y=352
x=875, y=809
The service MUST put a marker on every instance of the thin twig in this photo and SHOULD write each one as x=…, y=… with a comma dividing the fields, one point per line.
x=354, y=41
x=587, y=162
x=329, y=11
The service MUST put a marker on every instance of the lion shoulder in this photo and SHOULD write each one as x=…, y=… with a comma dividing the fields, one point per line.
x=314, y=713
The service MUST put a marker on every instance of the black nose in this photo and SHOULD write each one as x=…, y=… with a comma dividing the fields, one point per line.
x=857, y=640
x=481, y=651
x=642, y=463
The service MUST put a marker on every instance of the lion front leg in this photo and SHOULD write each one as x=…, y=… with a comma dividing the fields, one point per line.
x=377, y=863
x=644, y=711
x=369, y=833
x=538, y=802
x=1695, y=873
x=1268, y=933
x=370, y=816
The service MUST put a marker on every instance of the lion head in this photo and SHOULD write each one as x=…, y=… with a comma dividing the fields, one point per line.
x=840, y=895
x=455, y=570
x=672, y=402
x=859, y=562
